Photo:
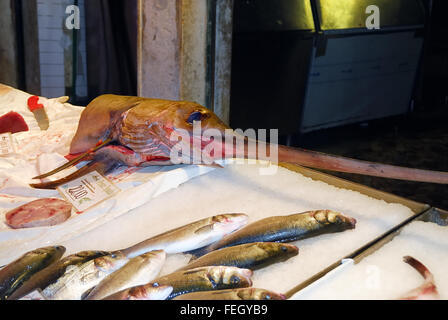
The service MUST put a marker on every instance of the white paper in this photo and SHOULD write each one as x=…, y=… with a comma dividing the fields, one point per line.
x=39, y=151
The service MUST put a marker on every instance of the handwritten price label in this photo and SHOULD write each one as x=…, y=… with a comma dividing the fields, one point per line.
x=6, y=144
x=88, y=191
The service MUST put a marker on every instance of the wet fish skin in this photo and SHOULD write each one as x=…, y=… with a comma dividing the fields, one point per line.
x=233, y=294
x=205, y=278
x=253, y=256
x=148, y=291
x=138, y=271
x=191, y=236
x=428, y=290
x=286, y=229
x=49, y=275
x=78, y=279
x=16, y=273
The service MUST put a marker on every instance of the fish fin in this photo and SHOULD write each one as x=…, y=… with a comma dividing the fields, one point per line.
x=101, y=166
x=204, y=229
x=74, y=161
x=196, y=253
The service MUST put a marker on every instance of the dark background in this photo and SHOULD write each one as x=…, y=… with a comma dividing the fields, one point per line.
x=418, y=139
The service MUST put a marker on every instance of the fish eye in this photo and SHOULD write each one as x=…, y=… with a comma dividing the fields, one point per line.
x=194, y=116
x=234, y=279
x=113, y=255
x=267, y=297
x=155, y=284
x=284, y=249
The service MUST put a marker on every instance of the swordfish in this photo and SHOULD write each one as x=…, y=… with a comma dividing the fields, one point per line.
x=118, y=130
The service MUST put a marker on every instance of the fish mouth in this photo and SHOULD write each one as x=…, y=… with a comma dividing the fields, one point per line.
x=290, y=249
x=352, y=223
x=231, y=222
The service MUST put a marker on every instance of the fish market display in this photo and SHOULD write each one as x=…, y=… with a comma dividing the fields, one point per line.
x=287, y=228
x=148, y=291
x=233, y=294
x=15, y=274
x=192, y=236
x=52, y=273
x=39, y=213
x=78, y=279
x=136, y=131
x=205, y=278
x=253, y=256
x=428, y=290
x=138, y=271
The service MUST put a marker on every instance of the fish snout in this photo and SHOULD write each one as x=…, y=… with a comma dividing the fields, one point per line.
x=237, y=277
x=59, y=248
x=231, y=221
x=289, y=249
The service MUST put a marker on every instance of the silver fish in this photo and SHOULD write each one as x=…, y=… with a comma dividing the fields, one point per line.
x=50, y=274
x=254, y=256
x=79, y=279
x=285, y=229
x=16, y=273
x=205, y=278
x=191, y=236
x=138, y=271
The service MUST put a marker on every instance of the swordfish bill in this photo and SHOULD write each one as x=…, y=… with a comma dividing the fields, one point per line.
x=319, y=160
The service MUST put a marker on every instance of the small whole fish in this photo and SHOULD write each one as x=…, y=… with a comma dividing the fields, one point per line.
x=286, y=229
x=205, y=278
x=191, y=236
x=80, y=278
x=138, y=271
x=15, y=274
x=428, y=290
x=51, y=274
x=253, y=256
x=233, y=294
x=148, y=291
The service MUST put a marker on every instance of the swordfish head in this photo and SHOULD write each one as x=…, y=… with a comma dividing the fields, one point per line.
x=144, y=125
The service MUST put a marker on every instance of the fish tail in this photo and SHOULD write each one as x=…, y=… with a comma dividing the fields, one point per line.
x=199, y=252
x=101, y=166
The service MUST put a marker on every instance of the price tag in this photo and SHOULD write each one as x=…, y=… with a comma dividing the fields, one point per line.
x=88, y=190
x=6, y=144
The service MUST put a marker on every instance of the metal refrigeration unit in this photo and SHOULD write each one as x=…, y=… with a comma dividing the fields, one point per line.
x=271, y=53
x=359, y=74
